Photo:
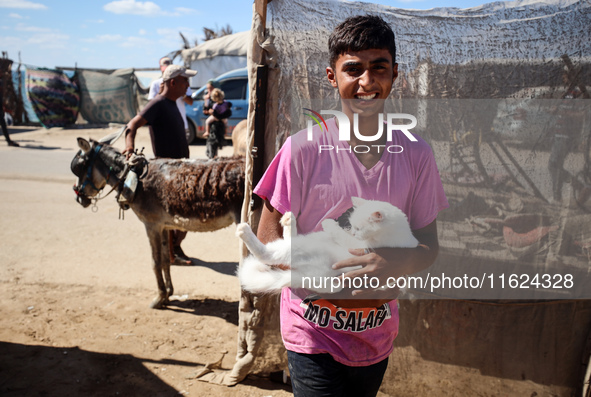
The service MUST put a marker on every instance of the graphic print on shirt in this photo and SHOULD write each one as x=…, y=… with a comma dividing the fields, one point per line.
x=324, y=314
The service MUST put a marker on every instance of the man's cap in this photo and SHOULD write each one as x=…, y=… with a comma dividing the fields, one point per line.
x=177, y=70
x=165, y=61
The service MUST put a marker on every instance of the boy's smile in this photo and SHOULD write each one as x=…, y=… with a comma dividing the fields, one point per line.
x=364, y=80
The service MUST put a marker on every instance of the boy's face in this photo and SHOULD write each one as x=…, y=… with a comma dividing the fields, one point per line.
x=364, y=80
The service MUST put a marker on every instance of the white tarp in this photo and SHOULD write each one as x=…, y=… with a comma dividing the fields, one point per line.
x=443, y=52
x=216, y=56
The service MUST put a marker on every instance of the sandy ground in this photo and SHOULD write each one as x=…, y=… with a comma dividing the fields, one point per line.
x=77, y=286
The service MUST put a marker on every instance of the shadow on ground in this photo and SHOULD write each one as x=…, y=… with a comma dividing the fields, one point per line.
x=21, y=130
x=207, y=307
x=228, y=268
x=53, y=371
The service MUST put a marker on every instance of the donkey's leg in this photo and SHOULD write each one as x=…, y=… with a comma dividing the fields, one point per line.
x=165, y=255
x=170, y=246
x=155, y=237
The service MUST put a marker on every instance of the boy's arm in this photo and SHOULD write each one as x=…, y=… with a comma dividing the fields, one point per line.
x=396, y=262
x=384, y=263
x=269, y=227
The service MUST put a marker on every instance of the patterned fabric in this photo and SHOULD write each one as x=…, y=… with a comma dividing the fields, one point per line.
x=107, y=98
x=54, y=97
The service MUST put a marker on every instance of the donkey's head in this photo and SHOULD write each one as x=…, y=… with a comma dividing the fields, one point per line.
x=93, y=165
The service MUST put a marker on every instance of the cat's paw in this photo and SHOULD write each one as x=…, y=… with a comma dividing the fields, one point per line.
x=241, y=229
x=287, y=219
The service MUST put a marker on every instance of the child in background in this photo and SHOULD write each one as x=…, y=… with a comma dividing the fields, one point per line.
x=220, y=110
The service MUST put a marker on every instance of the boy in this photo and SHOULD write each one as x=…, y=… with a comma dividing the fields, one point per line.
x=339, y=345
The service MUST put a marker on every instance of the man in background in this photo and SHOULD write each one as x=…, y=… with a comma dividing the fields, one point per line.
x=9, y=141
x=167, y=132
x=155, y=87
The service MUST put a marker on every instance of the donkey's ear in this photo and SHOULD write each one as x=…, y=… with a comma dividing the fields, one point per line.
x=84, y=145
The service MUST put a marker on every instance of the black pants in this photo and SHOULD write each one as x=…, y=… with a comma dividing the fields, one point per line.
x=2, y=121
x=319, y=375
x=215, y=140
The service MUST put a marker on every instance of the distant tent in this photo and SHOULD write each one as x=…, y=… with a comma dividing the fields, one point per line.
x=216, y=56
x=54, y=96
x=110, y=96
x=19, y=79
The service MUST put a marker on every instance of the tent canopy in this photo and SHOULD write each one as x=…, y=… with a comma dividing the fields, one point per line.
x=216, y=56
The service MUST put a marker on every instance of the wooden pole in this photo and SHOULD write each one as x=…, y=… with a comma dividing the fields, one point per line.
x=260, y=115
x=260, y=7
x=260, y=121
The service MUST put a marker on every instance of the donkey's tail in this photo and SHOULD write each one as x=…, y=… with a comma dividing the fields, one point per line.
x=258, y=278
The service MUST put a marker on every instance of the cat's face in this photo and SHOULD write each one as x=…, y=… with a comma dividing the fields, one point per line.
x=371, y=219
x=366, y=219
x=364, y=228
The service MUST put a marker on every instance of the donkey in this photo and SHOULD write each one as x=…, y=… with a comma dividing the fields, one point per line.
x=189, y=194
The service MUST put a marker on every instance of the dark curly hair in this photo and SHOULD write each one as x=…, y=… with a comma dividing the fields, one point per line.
x=358, y=33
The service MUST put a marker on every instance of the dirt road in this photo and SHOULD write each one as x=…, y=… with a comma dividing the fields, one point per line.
x=77, y=287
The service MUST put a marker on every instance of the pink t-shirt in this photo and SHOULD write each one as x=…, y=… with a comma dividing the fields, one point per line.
x=317, y=184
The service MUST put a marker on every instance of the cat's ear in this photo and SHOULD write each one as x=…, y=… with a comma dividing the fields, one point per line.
x=376, y=216
x=357, y=201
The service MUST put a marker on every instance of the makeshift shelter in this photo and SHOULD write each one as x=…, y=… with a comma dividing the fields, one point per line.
x=110, y=96
x=55, y=97
x=503, y=219
x=216, y=56
x=100, y=96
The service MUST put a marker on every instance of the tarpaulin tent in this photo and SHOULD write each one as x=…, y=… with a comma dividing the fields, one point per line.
x=19, y=79
x=503, y=218
x=55, y=97
x=110, y=96
x=216, y=56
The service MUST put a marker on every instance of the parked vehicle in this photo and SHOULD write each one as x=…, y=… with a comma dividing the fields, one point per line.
x=235, y=87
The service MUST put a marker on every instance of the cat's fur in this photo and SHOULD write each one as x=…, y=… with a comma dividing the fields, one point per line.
x=374, y=224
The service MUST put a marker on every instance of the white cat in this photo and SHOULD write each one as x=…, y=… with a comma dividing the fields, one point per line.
x=374, y=224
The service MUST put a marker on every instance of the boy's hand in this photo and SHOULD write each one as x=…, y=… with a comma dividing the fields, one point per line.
x=372, y=264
